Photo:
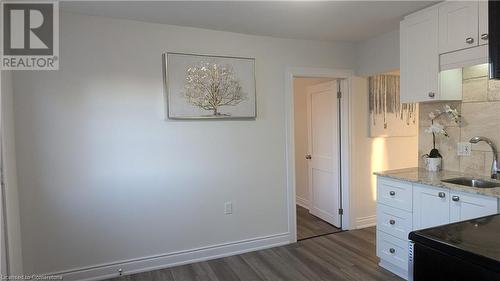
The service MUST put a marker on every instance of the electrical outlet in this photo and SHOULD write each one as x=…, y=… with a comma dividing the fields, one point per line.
x=228, y=208
x=464, y=148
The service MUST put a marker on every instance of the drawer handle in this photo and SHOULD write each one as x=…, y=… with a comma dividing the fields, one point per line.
x=455, y=198
x=469, y=40
x=484, y=36
x=392, y=250
x=442, y=195
x=432, y=95
x=392, y=222
x=392, y=193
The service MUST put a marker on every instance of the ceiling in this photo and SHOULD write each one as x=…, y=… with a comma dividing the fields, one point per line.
x=351, y=21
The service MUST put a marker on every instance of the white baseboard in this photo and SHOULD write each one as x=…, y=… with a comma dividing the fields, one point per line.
x=363, y=222
x=302, y=202
x=110, y=270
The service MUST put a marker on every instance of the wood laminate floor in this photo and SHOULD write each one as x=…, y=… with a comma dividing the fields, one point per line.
x=348, y=255
x=311, y=226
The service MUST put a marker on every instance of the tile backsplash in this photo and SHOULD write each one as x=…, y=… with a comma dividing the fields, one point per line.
x=480, y=109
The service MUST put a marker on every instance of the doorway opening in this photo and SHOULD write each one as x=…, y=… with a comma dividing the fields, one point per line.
x=317, y=137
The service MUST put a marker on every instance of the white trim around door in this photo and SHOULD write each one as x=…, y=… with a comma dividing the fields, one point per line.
x=345, y=77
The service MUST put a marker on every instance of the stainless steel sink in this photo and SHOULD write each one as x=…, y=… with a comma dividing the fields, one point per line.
x=472, y=182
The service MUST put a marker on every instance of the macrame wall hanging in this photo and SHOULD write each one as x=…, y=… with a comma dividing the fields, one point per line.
x=388, y=116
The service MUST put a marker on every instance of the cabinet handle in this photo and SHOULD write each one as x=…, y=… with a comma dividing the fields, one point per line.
x=392, y=222
x=442, y=195
x=432, y=94
x=469, y=40
x=484, y=36
x=455, y=198
x=392, y=250
x=392, y=193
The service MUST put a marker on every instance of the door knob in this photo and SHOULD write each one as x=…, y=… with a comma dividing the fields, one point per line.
x=441, y=194
x=484, y=36
x=469, y=40
x=455, y=198
x=308, y=156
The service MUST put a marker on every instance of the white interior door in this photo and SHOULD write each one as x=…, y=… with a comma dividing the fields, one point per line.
x=324, y=152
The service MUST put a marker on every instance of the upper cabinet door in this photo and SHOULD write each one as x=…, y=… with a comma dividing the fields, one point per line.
x=419, y=57
x=458, y=26
x=483, y=22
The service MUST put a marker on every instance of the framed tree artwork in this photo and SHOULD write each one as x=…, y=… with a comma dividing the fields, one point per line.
x=209, y=87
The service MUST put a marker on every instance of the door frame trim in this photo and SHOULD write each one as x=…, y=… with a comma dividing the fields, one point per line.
x=345, y=75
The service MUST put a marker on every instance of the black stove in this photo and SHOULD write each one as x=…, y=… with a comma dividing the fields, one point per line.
x=468, y=250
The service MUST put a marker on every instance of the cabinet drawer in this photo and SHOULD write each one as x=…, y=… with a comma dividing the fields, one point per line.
x=395, y=194
x=394, y=221
x=392, y=250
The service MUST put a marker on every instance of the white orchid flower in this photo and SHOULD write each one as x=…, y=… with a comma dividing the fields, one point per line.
x=437, y=129
x=452, y=113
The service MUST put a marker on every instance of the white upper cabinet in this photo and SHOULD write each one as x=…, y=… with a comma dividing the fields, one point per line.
x=447, y=36
x=419, y=57
x=483, y=22
x=458, y=26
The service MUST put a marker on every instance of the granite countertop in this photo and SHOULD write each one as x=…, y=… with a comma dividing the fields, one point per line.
x=422, y=176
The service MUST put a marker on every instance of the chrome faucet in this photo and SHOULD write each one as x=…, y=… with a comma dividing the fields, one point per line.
x=495, y=173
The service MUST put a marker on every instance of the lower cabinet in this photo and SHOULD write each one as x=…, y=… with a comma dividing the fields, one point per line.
x=431, y=206
x=403, y=207
x=466, y=206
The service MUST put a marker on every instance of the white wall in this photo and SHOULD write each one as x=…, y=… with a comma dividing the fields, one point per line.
x=378, y=55
x=10, y=176
x=374, y=56
x=372, y=154
x=3, y=240
x=300, y=131
x=102, y=176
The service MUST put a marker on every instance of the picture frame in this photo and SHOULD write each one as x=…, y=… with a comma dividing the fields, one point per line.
x=209, y=87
